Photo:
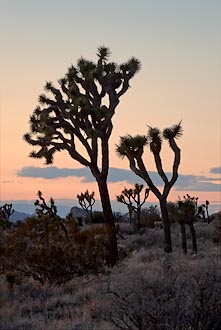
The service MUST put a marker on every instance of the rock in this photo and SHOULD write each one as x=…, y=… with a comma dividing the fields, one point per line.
x=77, y=212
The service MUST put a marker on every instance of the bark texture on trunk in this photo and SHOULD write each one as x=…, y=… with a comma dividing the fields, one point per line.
x=166, y=226
x=183, y=237
x=193, y=236
x=112, y=255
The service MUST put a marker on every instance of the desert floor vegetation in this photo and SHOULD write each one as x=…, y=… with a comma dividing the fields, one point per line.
x=148, y=289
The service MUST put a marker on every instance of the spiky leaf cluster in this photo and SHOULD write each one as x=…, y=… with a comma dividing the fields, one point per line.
x=131, y=146
x=188, y=205
x=155, y=139
x=103, y=53
x=173, y=132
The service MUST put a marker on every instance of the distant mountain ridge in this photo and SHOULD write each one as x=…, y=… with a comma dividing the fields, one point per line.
x=75, y=211
x=29, y=207
x=16, y=216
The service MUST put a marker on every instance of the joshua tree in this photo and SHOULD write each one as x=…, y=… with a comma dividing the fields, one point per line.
x=43, y=208
x=87, y=200
x=188, y=209
x=80, y=113
x=203, y=210
x=133, y=149
x=131, y=196
x=207, y=209
x=5, y=212
x=185, y=212
x=48, y=214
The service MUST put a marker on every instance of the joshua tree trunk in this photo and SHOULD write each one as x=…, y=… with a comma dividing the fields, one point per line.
x=193, y=236
x=138, y=218
x=47, y=245
x=183, y=237
x=130, y=210
x=166, y=225
x=109, y=221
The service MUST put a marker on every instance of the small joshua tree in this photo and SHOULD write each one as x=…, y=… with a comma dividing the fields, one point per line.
x=203, y=210
x=133, y=149
x=132, y=199
x=188, y=209
x=80, y=112
x=86, y=201
x=43, y=208
x=49, y=214
x=185, y=212
x=5, y=212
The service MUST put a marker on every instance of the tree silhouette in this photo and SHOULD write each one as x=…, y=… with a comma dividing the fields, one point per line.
x=86, y=201
x=133, y=149
x=80, y=115
x=203, y=210
x=188, y=208
x=185, y=212
x=132, y=199
x=6, y=211
x=48, y=213
x=44, y=209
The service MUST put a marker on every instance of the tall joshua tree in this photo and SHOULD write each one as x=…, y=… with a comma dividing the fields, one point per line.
x=133, y=149
x=80, y=113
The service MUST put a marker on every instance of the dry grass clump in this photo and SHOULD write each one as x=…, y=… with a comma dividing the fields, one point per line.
x=31, y=306
x=147, y=290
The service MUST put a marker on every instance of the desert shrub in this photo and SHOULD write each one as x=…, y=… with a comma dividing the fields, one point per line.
x=149, y=216
x=5, y=223
x=97, y=217
x=151, y=238
x=43, y=250
x=162, y=295
x=125, y=228
x=10, y=279
x=217, y=231
x=118, y=217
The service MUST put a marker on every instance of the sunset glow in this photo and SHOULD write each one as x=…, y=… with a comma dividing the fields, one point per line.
x=178, y=44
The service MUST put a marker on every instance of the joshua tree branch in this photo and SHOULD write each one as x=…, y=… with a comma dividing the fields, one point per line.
x=176, y=164
x=159, y=167
x=177, y=157
x=145, y=176
x=125, y=86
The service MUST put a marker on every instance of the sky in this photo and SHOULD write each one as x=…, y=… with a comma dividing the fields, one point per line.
x=179, y=46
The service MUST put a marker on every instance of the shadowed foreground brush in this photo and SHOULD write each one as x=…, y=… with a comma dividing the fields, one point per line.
x=148, y=290
x=48, y=256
